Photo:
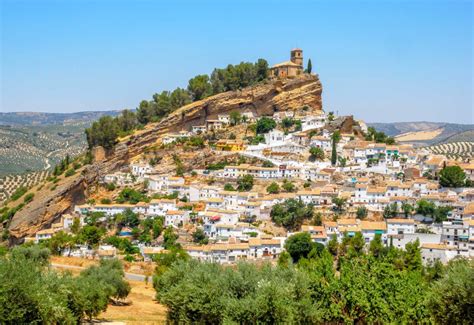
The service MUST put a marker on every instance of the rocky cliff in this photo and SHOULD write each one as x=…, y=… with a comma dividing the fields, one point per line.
x=265, y=99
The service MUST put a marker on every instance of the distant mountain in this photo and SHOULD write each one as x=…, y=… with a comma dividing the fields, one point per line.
x=39, y=118
x=427, y=133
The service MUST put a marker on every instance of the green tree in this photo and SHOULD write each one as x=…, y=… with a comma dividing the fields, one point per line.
x=288, y=186
x=262, y=69
x=91, y=235
x=451, y=298
x=179, y=98
x=412, y=256
x=441, y=213
x=291, y=213
x=157, y=227
x=425, y=207
x=309, y=67
x=170, y=238
x=336, y=137
x=299, y=246
x=200, y=87
x=362, y=212
x=317, y=219
x=235, y=117
x=339, y=203
x=265, y=125
x=200, y=237
x=357, y=243
x=60, y=241
x=76, y=226
x=228, y=187
x=333, y=245
x=452, y=176
x=331, y=116
x=407, y=209
x=316, y=153
x=376, y=247
x=245, y=183
x=273, y=188
x=103, y=133
x=127, y=121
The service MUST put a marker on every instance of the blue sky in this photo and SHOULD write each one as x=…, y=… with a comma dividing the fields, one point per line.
x=378, y=60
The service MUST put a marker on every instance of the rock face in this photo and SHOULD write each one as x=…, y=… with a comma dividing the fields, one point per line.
x=265, y=99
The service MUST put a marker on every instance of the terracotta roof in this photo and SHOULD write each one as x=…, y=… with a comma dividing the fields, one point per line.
x=46, y=232
x=175, y=212
x=262, y=242
x=152, y=250
x=330, y=224
x=373, y=225
x=158, y=201
x=345, y=222
x=469, y=209
x=437, y=246
x=286, y=64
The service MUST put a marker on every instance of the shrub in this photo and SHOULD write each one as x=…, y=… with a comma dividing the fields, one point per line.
x=28, y=198
x=69, y=172
x=19, y=192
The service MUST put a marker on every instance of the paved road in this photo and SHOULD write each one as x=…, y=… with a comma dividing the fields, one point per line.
x=128, y=276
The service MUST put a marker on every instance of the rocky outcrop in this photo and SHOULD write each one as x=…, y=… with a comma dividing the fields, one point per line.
x=264, y=99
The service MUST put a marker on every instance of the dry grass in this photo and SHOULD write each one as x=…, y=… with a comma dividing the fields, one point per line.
x=73, y=261
x=144, y=268
x=142, y=310
x=419, y=136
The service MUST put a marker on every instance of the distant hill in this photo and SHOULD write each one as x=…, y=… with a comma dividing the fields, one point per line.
x=39, y=118
x=427, y=133
x=31, y=142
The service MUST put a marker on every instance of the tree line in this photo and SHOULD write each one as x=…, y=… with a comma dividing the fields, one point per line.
x=107, y=129
x=344, y=283
x=32, y=293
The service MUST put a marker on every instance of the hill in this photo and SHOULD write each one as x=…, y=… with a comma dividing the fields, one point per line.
x=302, y=92
x=427, y=133
x=46, y=119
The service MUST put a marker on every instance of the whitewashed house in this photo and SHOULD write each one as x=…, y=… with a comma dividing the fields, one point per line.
x=398, y=226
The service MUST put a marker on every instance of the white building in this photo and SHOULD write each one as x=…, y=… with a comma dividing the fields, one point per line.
x=140, y=169
x=398, y=226
x=274, y=137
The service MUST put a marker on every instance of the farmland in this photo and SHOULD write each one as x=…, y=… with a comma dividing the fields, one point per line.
x=454, y=150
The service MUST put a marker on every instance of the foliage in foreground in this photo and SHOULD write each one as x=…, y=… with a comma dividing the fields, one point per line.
x=30, y=292
x=367, y=288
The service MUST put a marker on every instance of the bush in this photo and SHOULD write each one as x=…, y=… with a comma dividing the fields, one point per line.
x=265, y=125
x=291, y=213
x=273, y=188
x=105, y=201
x=28, y=198
x=19, y=192
x=245, y=183
x=300, y=246
x=110, y=186
x=70, y=172
x=30, y=292
x=452, y=176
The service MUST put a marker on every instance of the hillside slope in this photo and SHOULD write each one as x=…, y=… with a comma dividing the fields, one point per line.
x=264, y=99
x=426, y=133
x=40, y=118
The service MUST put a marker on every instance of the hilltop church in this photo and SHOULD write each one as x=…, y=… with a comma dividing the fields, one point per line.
x=290, y=68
